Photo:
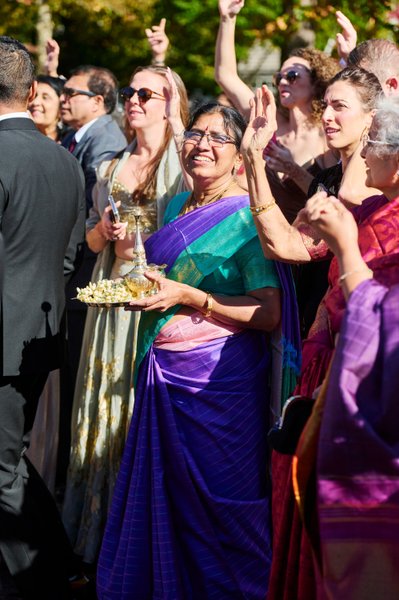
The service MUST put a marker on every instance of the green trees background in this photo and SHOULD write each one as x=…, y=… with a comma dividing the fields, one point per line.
x=111, y=32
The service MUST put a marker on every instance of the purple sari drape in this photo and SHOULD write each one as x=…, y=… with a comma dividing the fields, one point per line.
x=358, y=456
x=190, y=514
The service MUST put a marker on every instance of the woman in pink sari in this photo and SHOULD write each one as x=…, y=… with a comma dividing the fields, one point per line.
x=356, y=439
x=350, y=103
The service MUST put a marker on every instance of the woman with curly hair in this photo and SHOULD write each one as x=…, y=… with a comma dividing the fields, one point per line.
x=299, y=150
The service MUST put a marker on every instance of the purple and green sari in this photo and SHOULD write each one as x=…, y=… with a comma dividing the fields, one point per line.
x=190, y=517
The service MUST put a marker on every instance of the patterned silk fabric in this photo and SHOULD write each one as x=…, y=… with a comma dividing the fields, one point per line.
x=358, y=453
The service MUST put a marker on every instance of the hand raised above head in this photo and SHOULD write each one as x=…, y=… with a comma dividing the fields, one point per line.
x=230, y=8
x=52, y=57
x=262, y=122
x=346, y=40
x=172, y=104
x=158, y=41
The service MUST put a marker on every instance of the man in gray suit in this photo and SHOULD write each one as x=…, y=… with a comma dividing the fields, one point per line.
x=42, y=223
x=87, y=101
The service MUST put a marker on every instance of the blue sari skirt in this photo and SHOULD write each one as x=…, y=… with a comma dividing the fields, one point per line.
x=190, y=515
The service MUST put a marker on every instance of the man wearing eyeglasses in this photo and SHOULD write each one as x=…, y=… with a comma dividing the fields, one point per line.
x=88, y=99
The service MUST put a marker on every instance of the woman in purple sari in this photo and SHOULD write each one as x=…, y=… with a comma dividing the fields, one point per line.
x=190, y=515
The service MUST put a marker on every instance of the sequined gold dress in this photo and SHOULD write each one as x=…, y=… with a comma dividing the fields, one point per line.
x=104, y=397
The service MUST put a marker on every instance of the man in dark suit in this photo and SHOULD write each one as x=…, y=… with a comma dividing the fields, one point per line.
x=42, y=224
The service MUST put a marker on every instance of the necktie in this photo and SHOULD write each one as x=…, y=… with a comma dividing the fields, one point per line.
x=72, y=144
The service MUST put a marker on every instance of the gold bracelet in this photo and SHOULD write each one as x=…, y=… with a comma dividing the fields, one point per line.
x=208, y=305
x=256, y=210
x=348, y=273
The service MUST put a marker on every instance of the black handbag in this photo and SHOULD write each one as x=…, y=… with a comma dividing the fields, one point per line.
x=284, y=436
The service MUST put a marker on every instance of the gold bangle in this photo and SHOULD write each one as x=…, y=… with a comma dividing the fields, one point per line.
x=208, y=305
x=348, y=273
x=256, y=210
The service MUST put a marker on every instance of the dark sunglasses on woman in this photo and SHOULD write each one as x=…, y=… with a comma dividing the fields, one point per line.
x=290, y=76
x=144, y=94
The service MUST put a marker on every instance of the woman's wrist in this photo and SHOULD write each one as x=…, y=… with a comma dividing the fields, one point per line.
x=195, y=298
x=100, y=230
x=176, y=126
x=253, y=155
x=228, y=19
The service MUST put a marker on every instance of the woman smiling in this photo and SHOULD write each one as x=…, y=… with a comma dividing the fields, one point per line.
x=193, y=486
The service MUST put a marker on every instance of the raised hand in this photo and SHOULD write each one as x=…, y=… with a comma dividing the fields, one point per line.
x=158, y=41
x=262, y=122
x=52, y=58
x=230, y=8
x=172, y=104
x=346, y=40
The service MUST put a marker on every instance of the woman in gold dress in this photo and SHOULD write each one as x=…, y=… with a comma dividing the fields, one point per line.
x=148, y=174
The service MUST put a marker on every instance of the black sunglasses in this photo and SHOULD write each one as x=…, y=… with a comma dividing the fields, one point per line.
x=144, y=94
x=71, y=92
x=289, y=76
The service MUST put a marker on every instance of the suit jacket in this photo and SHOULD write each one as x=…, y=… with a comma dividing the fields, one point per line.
x=42, y=215
x=101, y=141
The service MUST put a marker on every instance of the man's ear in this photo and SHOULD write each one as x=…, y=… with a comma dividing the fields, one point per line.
x=99, y=103
x=32, y=92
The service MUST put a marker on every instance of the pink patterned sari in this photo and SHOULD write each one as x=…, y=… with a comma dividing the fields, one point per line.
x=292, y=574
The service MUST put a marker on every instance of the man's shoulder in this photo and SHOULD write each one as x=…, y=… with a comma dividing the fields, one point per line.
x=105, y=128
x=104, y=140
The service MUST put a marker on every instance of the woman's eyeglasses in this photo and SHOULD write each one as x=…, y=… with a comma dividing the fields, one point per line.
x=143, y=94
x=216, y=140
x=68, y=92
x=368, y=142
x=290, y=76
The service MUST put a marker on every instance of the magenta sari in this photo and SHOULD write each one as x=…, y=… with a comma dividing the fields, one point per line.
x=292, y=572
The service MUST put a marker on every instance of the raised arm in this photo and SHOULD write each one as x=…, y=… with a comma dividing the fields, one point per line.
x=226, y=73
x=346, y=40
x=172, y=112
x=159, y=42
x=278, y=238
x=52, y=58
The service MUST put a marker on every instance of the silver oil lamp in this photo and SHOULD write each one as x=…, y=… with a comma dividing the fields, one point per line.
x=135, y=280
